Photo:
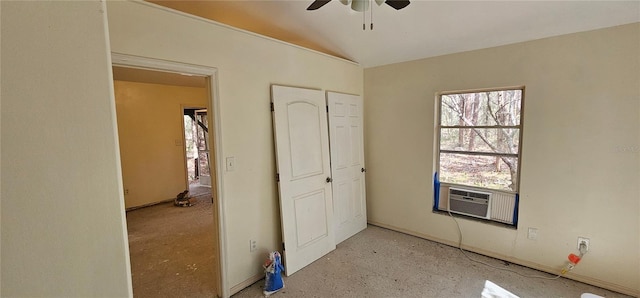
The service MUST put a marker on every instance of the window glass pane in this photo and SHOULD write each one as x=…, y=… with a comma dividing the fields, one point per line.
x=489, y=108
x=489, y=140
x=493, y=172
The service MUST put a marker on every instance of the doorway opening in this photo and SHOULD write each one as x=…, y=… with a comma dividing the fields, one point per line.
x=173, y=251
x=196, y=134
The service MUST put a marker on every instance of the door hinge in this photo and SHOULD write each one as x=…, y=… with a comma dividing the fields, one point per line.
x=272, y=108
x=283, y=249
x=277, y=177
x=327, y=109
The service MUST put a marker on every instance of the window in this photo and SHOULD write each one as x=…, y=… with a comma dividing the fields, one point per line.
x=479, y=135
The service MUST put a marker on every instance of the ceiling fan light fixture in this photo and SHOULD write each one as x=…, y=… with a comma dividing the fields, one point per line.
x=360, y=5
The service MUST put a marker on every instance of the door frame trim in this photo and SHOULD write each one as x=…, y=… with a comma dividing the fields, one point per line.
x=124, y=60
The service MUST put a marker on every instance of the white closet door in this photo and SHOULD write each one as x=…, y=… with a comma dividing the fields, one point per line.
x=302, y=151
x=347, y=164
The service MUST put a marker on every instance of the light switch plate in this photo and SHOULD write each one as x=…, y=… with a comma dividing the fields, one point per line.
x=230, y=164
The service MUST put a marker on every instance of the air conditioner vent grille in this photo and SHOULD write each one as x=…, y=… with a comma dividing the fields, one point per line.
x=458, y=192
x=479, y=195
x=470, y=202
x=471, y=194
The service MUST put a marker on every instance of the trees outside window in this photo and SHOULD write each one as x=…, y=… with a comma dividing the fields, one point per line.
x=479, y=135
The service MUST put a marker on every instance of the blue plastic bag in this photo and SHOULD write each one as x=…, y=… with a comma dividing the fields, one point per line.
x=273, y=279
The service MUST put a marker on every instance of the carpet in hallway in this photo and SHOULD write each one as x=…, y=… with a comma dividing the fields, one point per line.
x=172, y=249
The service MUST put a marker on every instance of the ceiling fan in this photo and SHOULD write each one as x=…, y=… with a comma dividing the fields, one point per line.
x=361, y=5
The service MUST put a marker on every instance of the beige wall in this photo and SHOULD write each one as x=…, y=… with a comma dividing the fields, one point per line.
x=247, y=65
x=581, y=159
x=149, y=127
x=63, y=232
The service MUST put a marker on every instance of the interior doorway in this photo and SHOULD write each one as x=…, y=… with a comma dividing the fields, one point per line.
x=173, y=270
x=197, y=148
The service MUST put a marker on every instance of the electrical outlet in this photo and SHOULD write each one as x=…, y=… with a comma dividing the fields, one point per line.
x=126, y=191
x=253, y=245
x=583, y=240
x=532, y=234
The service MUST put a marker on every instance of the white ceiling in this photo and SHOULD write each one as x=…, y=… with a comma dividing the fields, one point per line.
x=422, y=29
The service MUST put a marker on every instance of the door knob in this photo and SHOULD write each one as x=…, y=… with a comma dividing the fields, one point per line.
x=329, y=179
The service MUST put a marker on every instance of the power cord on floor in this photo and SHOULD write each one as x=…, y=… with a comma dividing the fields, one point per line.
x=489, y=265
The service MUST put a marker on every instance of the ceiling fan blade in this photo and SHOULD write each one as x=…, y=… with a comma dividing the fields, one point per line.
x=397, y=4
x=317, y=4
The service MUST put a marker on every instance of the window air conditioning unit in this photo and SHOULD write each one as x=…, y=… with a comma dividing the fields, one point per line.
x=470, y=202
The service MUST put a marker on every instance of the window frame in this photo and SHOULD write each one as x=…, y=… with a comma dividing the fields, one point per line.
x=439, y=127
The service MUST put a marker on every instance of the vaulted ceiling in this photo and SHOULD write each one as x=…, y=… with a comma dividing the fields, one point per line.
x=422, y=29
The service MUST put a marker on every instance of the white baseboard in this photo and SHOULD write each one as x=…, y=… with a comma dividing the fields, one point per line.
x=237, y=288
x=149, y=204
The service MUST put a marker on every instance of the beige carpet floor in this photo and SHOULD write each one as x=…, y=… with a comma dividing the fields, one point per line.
x=172, y=248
